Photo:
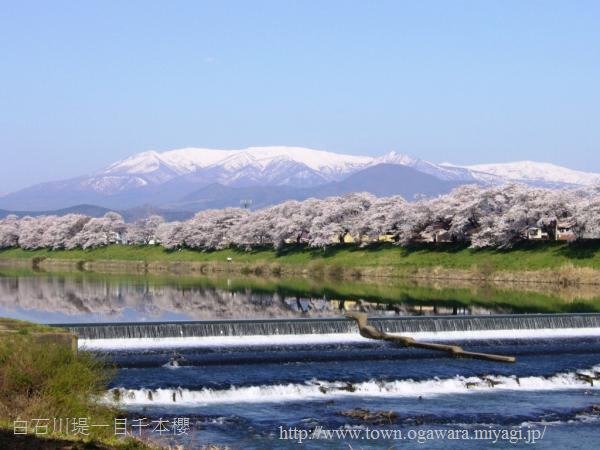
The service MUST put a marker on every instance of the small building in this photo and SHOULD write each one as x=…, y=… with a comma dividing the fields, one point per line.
x=347, y=238
x=436, y=232
x=115, y=237
x=387, y=237
x=153, y=240
x=536, y=233
x=564, y=230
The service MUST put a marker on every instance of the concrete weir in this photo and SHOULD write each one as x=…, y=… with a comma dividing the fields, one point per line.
x=514, y=324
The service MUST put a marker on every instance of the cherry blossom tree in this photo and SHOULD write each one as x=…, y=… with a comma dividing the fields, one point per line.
x=144, y=231
x=61, y=231
x=210, y=229
x=497, y=216
x=31, y=231
x=9, y=231
x=101, y=231
x=171, y=234
x=338, y=217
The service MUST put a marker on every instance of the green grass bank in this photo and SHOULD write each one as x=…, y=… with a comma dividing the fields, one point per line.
x=42, y=377
x=553, y=262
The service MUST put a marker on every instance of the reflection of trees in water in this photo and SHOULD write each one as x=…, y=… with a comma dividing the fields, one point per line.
x=72, y=296
x=109, y=298
x=56, y=294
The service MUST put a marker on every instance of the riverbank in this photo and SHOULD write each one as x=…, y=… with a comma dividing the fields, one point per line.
x=544, y=262
x=43, y=378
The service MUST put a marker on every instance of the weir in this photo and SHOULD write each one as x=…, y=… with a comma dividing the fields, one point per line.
x=407, y=324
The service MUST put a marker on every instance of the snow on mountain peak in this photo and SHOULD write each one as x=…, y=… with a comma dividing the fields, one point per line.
x=236, y=161
x=139, y=179
x=394, y=157
x=304, y=166
x=137, y=164
x=315, y=159
x=532, y=171
x=191, y=159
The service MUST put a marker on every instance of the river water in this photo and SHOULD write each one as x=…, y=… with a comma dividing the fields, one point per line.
x=272, y=392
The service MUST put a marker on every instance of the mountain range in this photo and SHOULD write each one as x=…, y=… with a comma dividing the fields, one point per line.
x=180, y=182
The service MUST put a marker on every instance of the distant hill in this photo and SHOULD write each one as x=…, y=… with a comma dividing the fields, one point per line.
x=216, y=196
x=386, y=180
x=130, y=215
x=88, y=210
x=380, y=180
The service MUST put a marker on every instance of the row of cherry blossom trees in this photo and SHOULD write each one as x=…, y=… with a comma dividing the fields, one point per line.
x=481, y=216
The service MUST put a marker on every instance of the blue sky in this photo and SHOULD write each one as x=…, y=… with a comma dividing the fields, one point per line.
x=85, y=83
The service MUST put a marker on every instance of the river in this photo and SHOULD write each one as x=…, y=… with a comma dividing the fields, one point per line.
x=232, y=385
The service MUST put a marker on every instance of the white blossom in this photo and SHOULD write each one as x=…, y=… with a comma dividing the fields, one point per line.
x=480, y=216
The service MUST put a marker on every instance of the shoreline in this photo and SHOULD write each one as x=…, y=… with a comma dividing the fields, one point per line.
x=34, y=361
x=553, y=264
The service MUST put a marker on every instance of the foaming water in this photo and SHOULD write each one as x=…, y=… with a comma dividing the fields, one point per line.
x=331, y=338
x=218, y=341
x=325, y=390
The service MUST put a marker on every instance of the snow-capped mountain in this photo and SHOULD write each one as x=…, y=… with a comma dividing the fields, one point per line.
x=167, y=178
x=527, y=172
x=537, y=173
x=274, y=166
x=264, y=165
x=304, y=167
x=448, y=173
